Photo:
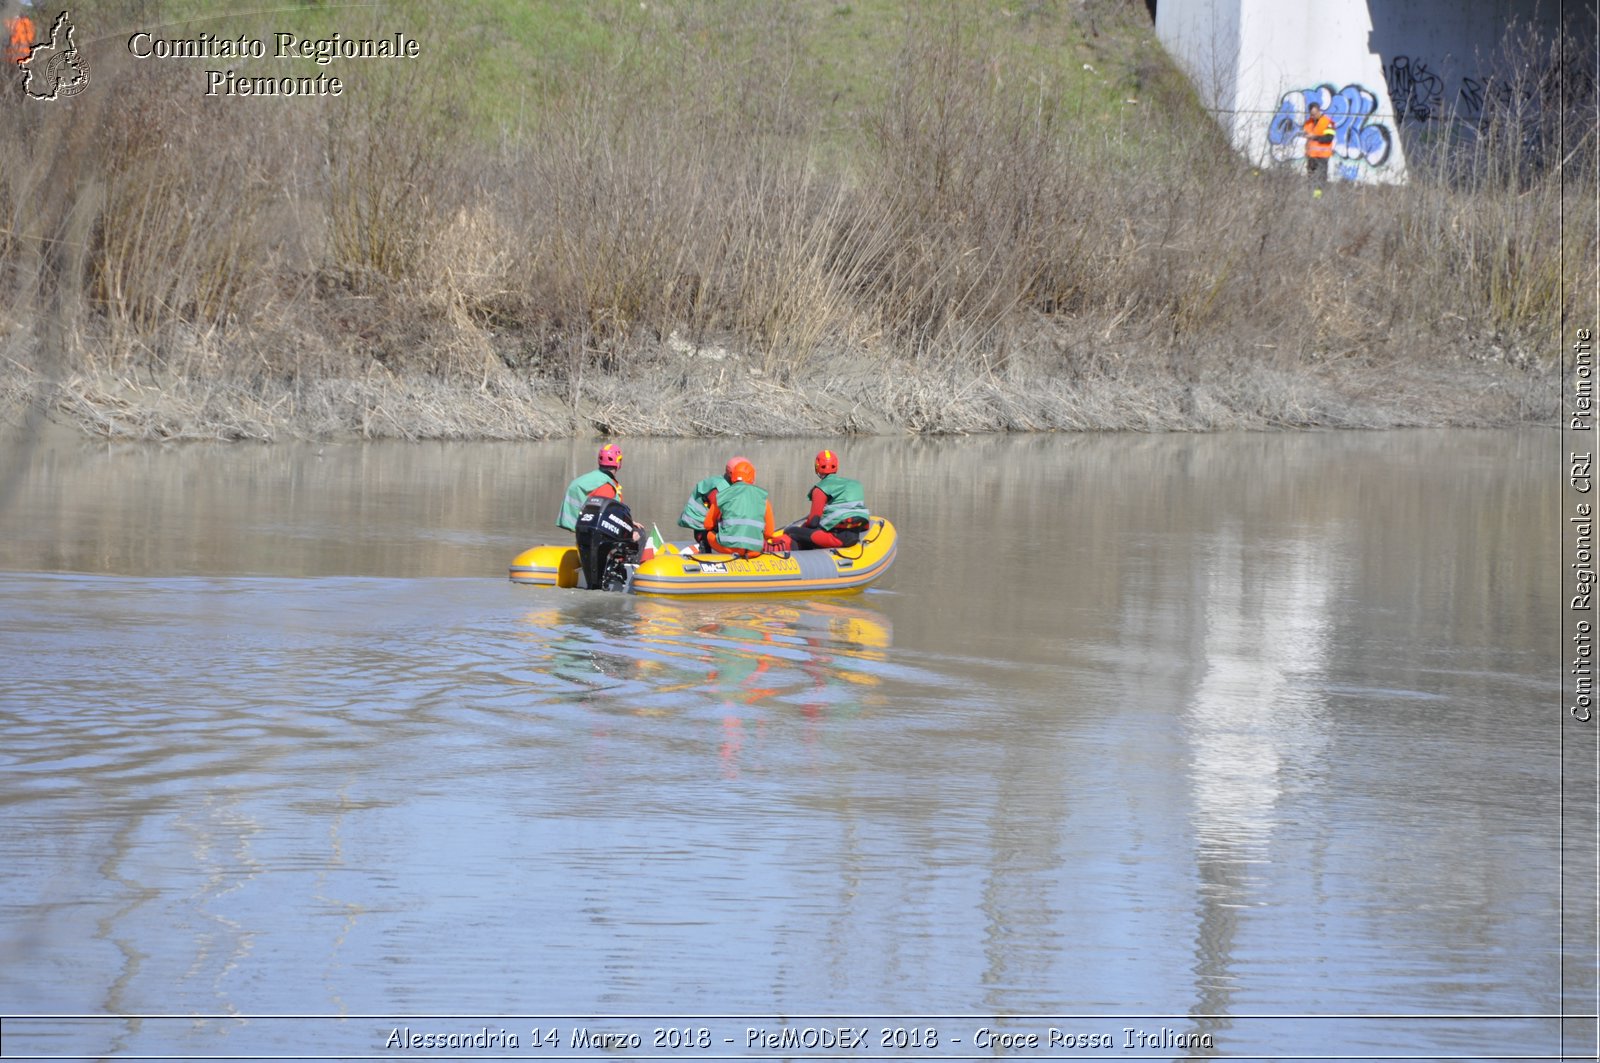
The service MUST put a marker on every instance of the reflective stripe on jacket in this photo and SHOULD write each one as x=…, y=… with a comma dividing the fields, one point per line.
x=742, y=517
x=694, y=511
x=579, y=490
x=1317, y=129
x=847, y=501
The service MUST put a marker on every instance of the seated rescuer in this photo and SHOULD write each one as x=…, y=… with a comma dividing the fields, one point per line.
x=695, y=510
x=739, y=517
x=839, y=511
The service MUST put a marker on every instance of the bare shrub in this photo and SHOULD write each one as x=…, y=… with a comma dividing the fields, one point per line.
x=179, y=234
x=389, y=147
x=611, y=205
x=976, y=189
x=986, y=241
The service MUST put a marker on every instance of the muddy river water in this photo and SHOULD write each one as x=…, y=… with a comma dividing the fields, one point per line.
x=1147, y=747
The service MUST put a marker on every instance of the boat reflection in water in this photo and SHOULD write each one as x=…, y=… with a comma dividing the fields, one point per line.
x=743, y=665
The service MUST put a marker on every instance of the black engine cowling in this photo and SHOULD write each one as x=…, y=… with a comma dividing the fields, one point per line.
x=606, y=543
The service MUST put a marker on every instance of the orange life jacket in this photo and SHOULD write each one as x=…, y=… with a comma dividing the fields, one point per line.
x=20, y=39
x=1317, y=128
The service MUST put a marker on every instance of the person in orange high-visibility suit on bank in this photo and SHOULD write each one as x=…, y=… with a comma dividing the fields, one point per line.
x=1319, y=144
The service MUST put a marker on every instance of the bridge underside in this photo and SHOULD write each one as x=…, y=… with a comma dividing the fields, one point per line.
x=1398, y=77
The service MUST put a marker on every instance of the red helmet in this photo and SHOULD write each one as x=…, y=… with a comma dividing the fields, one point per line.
x=733, y=463
x=611, y=456
x=827, y=463
x=742, y=472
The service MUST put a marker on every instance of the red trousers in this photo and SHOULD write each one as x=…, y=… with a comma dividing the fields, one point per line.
x=819, y=539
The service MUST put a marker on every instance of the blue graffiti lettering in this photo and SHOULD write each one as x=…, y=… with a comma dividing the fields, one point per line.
x=1285, y=125
x=1354, y=136
x=1357, y=137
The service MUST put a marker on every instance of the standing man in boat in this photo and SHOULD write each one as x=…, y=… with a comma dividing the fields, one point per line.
x=739, y=518
x=602, y=523
x=604, y=481
x=839, y=511
x=694, y=512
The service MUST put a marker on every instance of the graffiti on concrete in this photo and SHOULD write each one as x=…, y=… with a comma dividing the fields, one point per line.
x=1484, y=97
x=1414, y=89
x=1479, y=95
x=1359, y=140
x=1522, y=89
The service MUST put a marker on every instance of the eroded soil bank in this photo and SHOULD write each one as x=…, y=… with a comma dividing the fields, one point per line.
x=711, y=391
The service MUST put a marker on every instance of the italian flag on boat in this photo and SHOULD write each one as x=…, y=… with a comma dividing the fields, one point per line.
x=652, y=545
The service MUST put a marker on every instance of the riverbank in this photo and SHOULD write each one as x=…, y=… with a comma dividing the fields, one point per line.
x=1079, y=382
x=762, y=220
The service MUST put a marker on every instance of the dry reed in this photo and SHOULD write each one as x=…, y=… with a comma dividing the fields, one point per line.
x=722, y=252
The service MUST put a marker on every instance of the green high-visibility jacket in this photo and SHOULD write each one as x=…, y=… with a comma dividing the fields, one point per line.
x=694, y=511
x=846, y=500
x=579, y=490
x=742, y=516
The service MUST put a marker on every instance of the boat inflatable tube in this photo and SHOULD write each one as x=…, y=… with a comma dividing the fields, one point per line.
x=679, y=570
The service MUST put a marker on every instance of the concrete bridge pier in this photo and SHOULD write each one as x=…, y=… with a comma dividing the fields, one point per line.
x=1394, y=75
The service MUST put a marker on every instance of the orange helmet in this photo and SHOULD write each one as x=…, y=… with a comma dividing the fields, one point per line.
x=827, y=463
x=611, y=456
x=742, y=472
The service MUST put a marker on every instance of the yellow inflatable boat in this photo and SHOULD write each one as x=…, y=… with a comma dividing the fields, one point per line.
x=679, y=570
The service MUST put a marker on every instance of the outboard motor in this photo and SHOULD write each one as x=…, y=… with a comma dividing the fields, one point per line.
x=605, y=543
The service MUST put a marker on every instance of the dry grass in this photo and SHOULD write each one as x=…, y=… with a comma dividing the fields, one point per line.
x=718, y=254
